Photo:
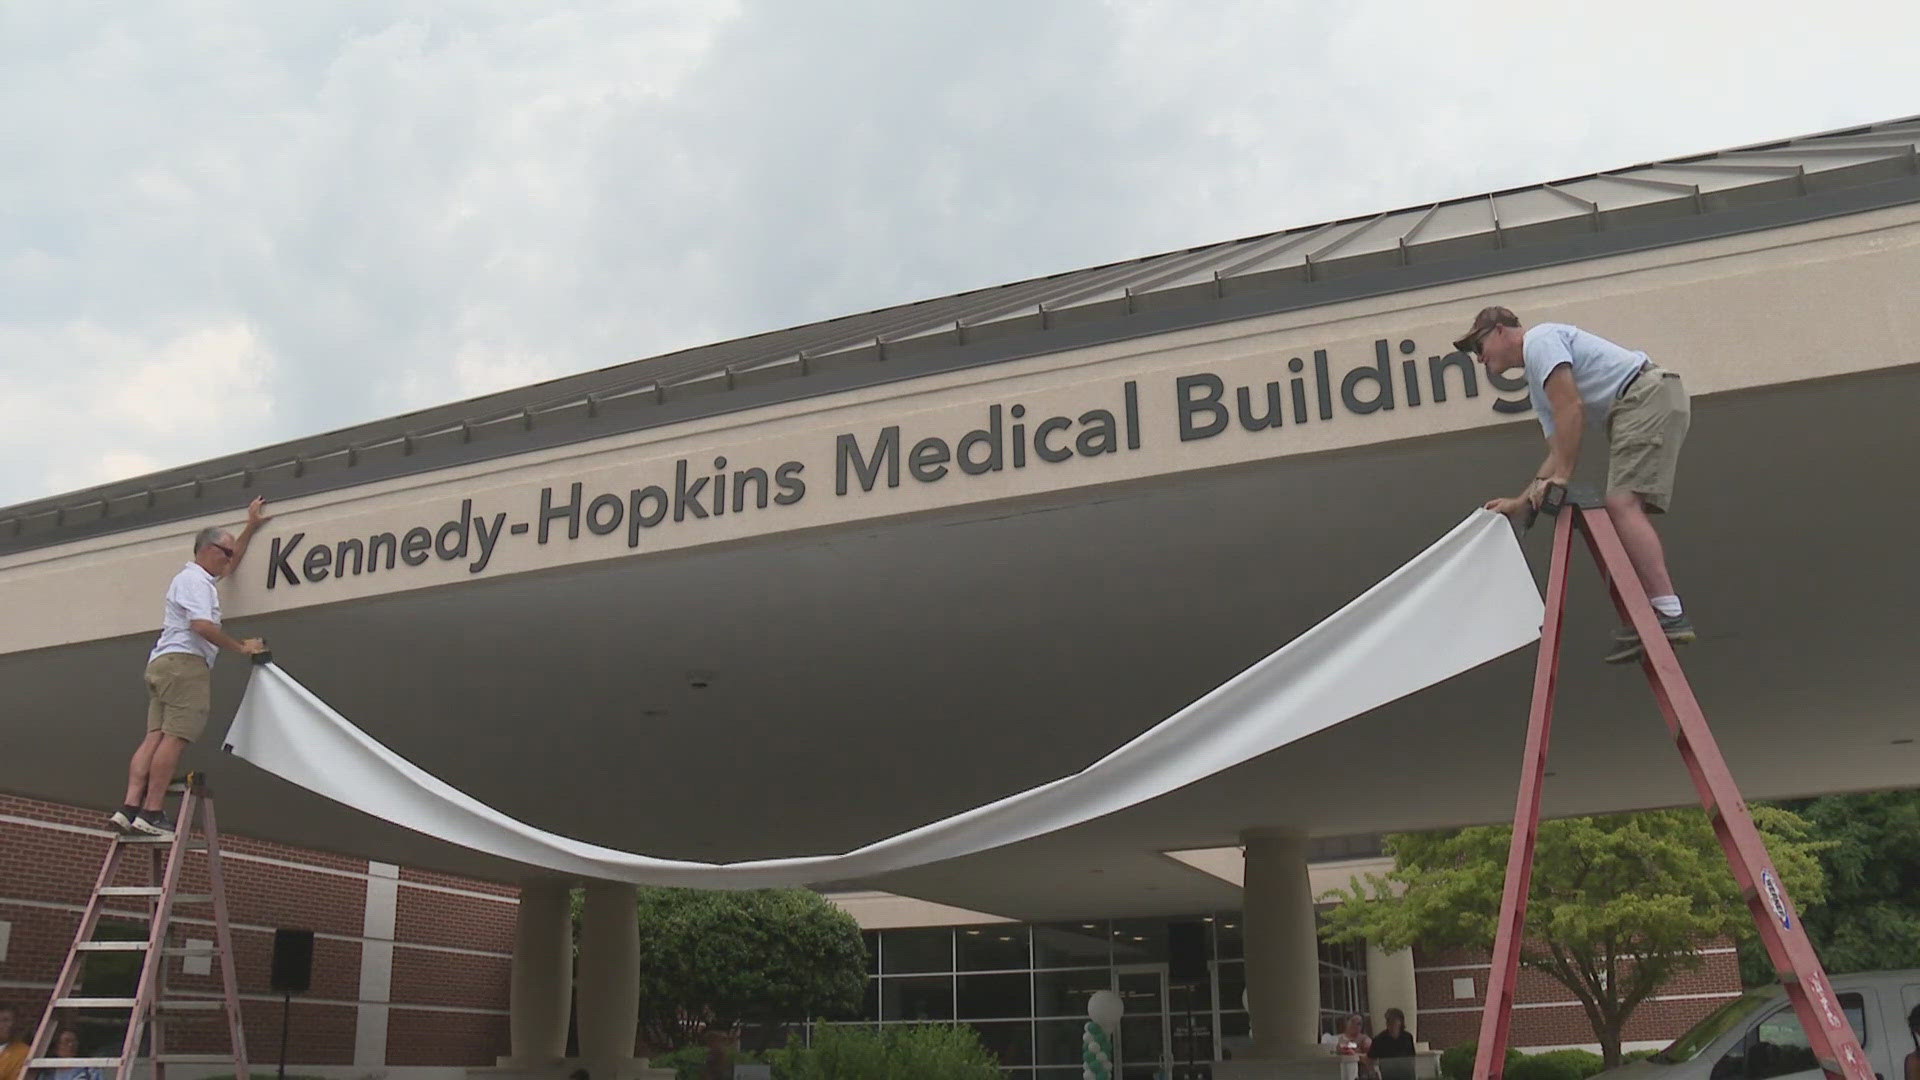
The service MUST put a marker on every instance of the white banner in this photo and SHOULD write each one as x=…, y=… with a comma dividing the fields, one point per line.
x=1466, y=600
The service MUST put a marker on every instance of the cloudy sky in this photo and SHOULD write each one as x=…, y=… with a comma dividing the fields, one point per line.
x=228, y=224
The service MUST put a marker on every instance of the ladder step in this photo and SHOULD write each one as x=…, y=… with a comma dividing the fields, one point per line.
x=178, y=1005
x=109, y=946
x=192, y=845
x=75, y=1063
x=155, y=890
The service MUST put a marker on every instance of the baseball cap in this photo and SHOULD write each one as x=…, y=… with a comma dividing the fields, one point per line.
x=1484, y=322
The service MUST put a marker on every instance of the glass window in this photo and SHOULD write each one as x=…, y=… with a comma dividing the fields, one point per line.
x=1228, y=944
x=870, y=1005
x=991, y=997
x=1012, y=1042
x=1065, y=993
x=1778, y=1044
x=1233, y=985
x=1191, y=997
x=871, y=939
x=923, y=997
x=1697, y=1038
x=1080, y=944
x=1058, y=1042
x=1140, y=941
x=992, y=948
x=906, y=951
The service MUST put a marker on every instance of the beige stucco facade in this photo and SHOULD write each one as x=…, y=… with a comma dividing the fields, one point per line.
x=1755, y=310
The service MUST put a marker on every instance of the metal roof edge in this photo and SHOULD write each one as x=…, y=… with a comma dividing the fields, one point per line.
x=1204, y=311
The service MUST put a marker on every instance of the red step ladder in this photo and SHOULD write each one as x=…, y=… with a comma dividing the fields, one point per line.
x=151, y=1006
x=1833, y=1041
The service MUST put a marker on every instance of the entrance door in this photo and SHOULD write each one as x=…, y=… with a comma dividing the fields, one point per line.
x=1144, y=1034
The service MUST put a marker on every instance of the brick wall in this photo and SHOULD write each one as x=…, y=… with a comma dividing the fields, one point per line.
x=452, y=939
x=1547, y=1014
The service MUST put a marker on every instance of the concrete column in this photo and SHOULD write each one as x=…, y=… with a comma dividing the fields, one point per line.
x=1283, y=958
x=1390, y=985
x=541, y=994
x=609, y=978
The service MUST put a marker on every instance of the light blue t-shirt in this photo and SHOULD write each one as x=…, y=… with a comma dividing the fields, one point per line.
x=1600, y=368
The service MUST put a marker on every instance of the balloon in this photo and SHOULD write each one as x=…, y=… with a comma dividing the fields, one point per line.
x=1105, y=1008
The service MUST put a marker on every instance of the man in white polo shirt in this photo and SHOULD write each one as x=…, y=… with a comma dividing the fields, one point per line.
x=180, y=672
x=1576, y=379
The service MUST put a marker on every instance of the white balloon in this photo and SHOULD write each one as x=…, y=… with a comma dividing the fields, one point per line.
x=1105, y=1008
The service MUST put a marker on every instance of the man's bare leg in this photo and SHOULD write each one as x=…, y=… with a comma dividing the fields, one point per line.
x=139, y=768
x=166, y=757
x=1642, y=541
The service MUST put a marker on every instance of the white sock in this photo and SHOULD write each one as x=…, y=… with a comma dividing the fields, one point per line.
x=1668, y=605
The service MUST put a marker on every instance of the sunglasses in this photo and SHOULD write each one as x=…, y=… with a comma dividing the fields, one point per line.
x=224, y=549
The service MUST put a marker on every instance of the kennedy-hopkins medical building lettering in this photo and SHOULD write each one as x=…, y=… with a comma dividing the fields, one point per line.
x=1204, y=404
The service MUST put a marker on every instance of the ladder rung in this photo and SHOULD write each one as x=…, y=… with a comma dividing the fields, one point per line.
x=155, y=890
x=110, y=946
x=180, y=1004
x=75, y=1063
x=192, y=845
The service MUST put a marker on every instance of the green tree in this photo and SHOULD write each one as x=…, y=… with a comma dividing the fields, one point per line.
x=1619, y=904
x=1870, y=920
x=751, y=960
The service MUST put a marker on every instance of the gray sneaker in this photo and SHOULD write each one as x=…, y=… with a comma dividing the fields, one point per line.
x=154, y=823
x=1626, y=641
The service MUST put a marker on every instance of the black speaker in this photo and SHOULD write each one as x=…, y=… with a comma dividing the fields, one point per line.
x=292, y=961
x=1186, y=951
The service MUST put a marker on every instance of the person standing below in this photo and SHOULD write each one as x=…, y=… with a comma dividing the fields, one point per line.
x=1576, y=379
x=1392, y=1050
x=180, y=672
x=13, y=1050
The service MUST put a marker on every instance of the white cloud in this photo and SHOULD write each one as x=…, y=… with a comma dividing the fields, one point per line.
x=370, y=209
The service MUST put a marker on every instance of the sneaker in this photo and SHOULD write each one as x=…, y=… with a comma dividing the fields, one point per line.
x=154, y=823
x=122, y=818
x=1626, y=641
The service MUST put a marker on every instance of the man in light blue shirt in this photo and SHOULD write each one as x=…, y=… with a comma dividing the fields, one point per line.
x=179, y=672
x=1575, y=380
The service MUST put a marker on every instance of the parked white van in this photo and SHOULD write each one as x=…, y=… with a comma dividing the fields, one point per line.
x=1756, y=1036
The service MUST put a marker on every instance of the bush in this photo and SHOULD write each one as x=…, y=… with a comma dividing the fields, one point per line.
x=1456, y=1062
x=690, y=1062
x=1556, y=1065
x=1632, y=1056
x=921, y=1052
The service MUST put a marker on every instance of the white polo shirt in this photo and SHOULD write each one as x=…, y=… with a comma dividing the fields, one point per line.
x=1600, y=369
x=191, y=596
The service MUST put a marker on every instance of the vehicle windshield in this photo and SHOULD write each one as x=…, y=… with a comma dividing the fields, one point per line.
x=1702, y=1034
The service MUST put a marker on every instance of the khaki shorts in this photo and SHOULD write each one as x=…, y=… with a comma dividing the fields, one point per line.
x=1644, y=433
x=179, y=694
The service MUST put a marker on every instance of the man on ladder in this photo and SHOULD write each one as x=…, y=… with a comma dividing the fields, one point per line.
x=1573, y=378
x=180, y=673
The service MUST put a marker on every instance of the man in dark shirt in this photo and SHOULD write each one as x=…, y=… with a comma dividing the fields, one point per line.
x=1392, y=1050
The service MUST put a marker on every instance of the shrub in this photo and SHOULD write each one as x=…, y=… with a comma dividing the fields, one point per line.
x=921, y=1052
x=690, y=1062
x=1632, y=1056
x=1456, y=1062
x=1556, y=1065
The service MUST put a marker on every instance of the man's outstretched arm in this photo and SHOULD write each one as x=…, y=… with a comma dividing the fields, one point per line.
x=256, y=517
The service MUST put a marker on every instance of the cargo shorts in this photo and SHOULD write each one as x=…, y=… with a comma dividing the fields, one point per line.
x=1644, y=433
x=179, y=694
